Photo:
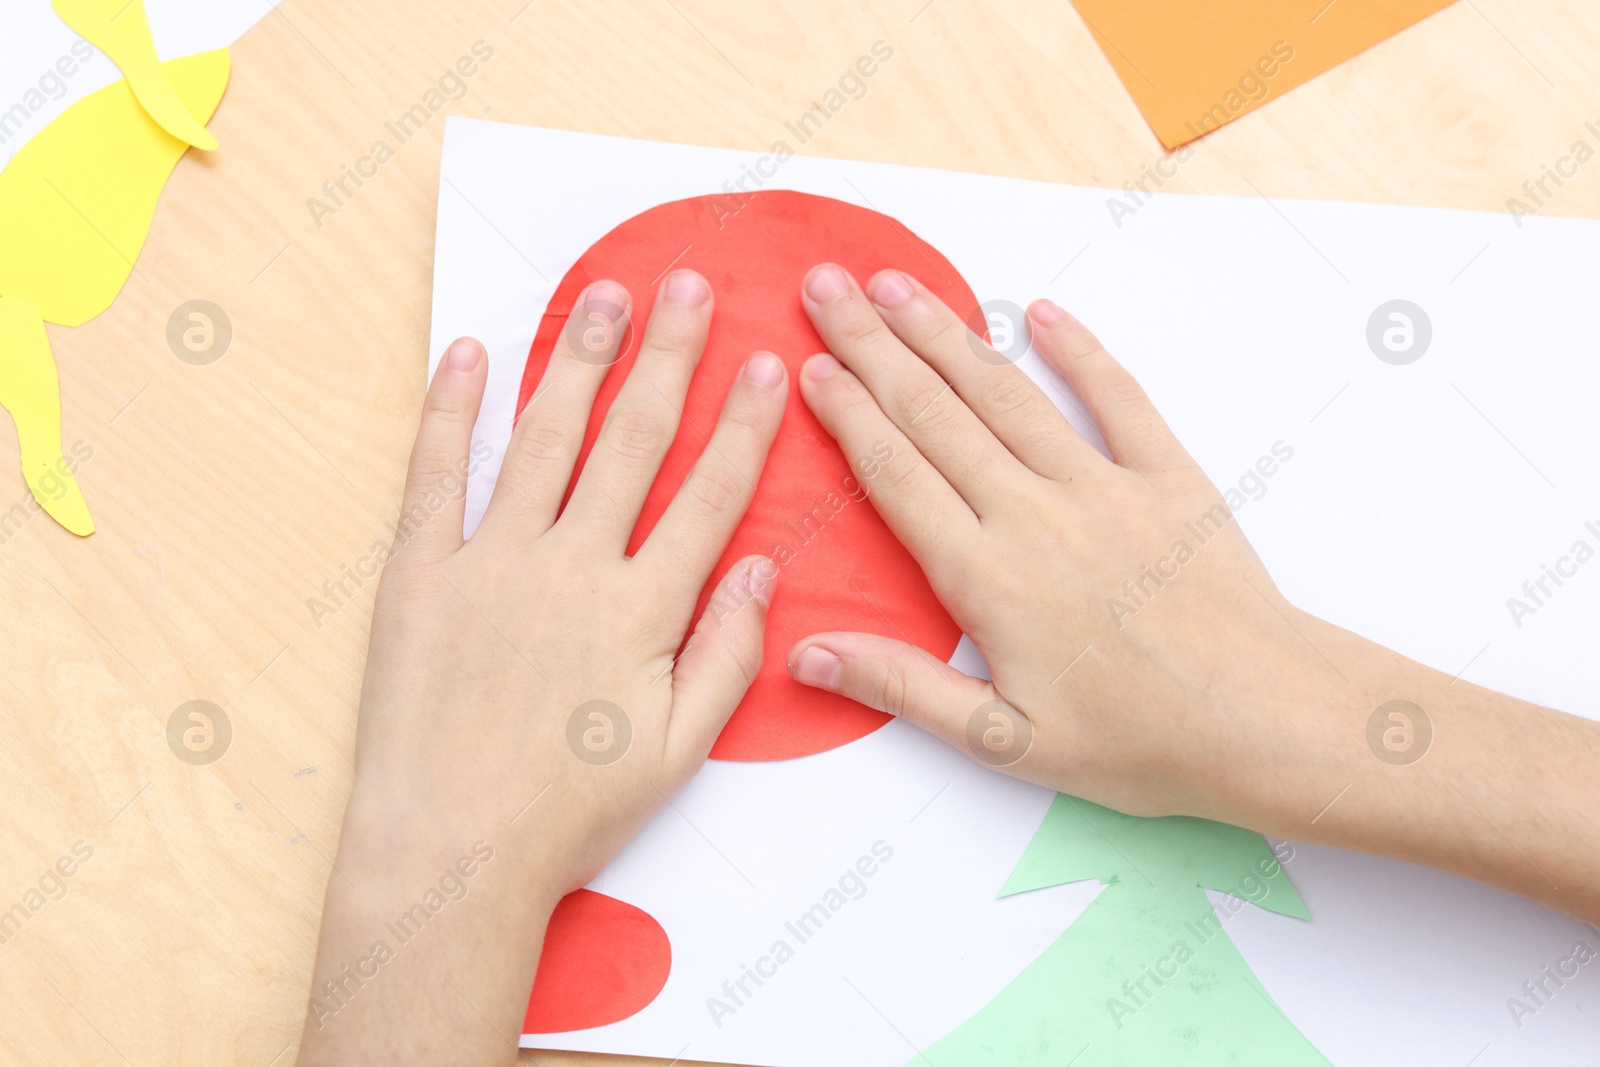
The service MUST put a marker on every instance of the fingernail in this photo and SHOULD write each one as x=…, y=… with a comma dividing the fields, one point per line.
x=817, y=667
x=765, y=369
x=464, y=354
x=762, y=579
x=606, y=297
x=827, y=283
x=687, y=288
x=821, y=366
x=889, y=289
x=1045, y=313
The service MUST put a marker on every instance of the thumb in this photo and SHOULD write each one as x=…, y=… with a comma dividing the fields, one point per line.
x=911, y=684
x=722, y=656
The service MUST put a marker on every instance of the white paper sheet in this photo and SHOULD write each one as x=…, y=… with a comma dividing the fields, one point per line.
x=1418, y=499
x=46, y=67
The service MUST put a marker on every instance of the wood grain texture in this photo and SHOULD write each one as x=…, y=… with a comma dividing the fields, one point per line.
x=226, y=495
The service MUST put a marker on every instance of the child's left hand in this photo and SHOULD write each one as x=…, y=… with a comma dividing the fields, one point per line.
x=522, y=689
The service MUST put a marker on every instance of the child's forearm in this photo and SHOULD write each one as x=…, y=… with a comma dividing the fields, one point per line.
x=426, y=954
x=1405, y=761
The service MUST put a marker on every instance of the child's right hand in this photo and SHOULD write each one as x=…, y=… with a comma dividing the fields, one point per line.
x=1029, y=537
x=1141, y=655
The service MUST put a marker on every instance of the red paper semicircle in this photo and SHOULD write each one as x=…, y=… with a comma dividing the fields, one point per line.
x=603, y=960
x=840, y=567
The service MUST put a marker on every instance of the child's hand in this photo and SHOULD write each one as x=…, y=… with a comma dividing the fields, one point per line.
x=1141, y=656
x=484, y=653
x=522, y=699
x=1123, y=614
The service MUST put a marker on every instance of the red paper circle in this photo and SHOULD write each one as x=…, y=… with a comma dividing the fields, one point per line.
x=840, y=567
x=603, y=960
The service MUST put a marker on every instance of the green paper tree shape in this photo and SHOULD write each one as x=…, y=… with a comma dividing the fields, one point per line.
x=1147, y=976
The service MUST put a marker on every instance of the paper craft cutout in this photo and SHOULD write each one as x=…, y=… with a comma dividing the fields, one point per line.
x=1194, y=67
x=1147, y=974
x=603, y=960
x=76, y=204
x=821, y=809
x=121, y=30
x=77, y=200
x=29, y=390
x=841, y=568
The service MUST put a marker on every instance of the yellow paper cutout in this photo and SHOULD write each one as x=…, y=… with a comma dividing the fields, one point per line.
x=77, y=200
x=30, y=391
x=121, y=30
x=76, y=204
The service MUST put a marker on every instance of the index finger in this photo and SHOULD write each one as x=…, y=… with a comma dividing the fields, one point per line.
x=918, y=504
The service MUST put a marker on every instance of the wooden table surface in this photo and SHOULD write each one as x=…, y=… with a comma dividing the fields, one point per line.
x=227, y=494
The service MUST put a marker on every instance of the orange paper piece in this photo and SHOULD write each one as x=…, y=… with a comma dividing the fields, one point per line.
x=1192, y=67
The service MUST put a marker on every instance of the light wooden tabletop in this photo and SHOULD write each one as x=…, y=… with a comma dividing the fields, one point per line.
x=228, y=494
